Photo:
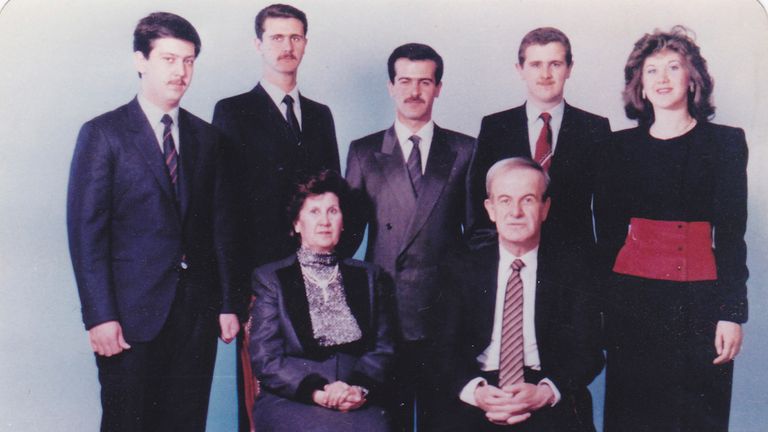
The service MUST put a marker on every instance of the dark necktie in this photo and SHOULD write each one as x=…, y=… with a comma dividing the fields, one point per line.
x=543, y=153
x=169, y=151
x=414, y=165
x=290, y=117
x=511, y=356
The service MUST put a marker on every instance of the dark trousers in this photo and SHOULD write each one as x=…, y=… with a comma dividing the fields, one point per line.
x=413, y=387
x=573, y=413
x=163, y=384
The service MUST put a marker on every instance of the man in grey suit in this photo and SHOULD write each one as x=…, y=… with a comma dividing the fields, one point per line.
x=411, y=180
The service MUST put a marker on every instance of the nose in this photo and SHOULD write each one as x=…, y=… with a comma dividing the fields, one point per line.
x=324, y=219
x=415, y=90
x=546, y=71
x=180, y=69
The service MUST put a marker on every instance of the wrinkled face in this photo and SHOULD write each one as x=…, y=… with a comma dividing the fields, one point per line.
x=517, y=206
x=545, y=72
x=167, y=73
x=282, y=45
x=320, y=222
x=414, y=90
x=665, y=80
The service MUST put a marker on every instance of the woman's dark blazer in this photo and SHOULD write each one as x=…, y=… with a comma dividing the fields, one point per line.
x=284, y=353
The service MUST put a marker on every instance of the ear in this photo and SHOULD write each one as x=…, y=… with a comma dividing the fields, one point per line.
x=391, y=89
x=519, y=69
x=140, y=62
x=438, y=87
x=569, y=69
x=296, y=227
x=257, y=43
x=489, y=208
x=545, y=209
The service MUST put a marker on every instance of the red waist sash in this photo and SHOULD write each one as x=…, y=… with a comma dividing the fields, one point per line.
x=668, y=250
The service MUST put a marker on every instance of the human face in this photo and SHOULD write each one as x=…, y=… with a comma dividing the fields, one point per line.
x=665, y=81
x=320, y=222
x=167, y=73
x=544, y=72
x=282, y=46
x=414, y=91
x=517, y=206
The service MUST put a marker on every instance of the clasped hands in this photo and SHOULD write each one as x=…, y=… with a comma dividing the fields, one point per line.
x=339, y=396
x=514, y=403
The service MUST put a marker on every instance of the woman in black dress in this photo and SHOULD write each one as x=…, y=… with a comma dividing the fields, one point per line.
x=671, y=219
x=320, y=336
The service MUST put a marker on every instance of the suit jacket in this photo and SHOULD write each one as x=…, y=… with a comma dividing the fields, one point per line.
x=573, y=171
x=408, y=236
x=266, y=163
x=567, y=323
x=127, y=235
x=284, y=353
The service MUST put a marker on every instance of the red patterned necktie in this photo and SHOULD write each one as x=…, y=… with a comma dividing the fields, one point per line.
x=169, y=150
x=543, y=153
x=511, y=356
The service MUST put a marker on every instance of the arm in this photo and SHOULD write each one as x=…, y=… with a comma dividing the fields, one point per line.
x=357, y=219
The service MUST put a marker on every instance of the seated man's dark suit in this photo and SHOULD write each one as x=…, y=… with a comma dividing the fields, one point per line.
x=573, y=172
x=408, y=236
x=157, y=261
x=290, y=362
x=567, y=334
x=266, y=163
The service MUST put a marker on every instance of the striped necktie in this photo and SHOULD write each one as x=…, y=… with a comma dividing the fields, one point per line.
x=169, y=151
x=511, y=357
x=414, y=165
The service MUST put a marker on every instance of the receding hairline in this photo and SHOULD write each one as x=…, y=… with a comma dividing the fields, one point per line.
x=505, y=166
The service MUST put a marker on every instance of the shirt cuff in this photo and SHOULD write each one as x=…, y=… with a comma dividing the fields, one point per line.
x=468, y=392
x=548, y=382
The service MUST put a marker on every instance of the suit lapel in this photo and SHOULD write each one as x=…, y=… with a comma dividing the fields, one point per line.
x=564, y=139
x=190, y=149
x=274, y=120
x=392, y=166
x=145, y=141
x=519, y=142
x=356, y=288
x=439, y=164
x=297, y=305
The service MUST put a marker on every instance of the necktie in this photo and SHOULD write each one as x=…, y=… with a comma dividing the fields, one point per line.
x=290, y=117
x=511, y=357
x=544, y=143
x=414, y=165
x=169, y=151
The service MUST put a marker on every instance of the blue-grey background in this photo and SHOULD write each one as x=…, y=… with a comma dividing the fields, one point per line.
x=62, y=63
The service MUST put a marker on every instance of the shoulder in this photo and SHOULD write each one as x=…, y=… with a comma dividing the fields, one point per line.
x=204, y=130
x=110, y=119
x=506, y=115
x=727, y=139
x=270, y=270
x=237, y=100
x=456, y=138
x=309, y=104
x=584, y=116
x=368, y=142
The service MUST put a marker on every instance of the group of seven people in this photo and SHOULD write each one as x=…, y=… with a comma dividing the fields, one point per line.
x=487, y=272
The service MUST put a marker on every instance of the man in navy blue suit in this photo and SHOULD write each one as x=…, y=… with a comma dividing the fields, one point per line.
x=151, y=235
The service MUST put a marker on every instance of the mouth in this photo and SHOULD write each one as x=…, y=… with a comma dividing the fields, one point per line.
x=287, y=57
x=664, y=90
x=180, y=84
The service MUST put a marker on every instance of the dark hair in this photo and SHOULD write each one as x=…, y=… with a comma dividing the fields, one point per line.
x=414, y=52
x=509, y=164
x=278, y=10
x=318, y=183
x=163, y=25
x=677, y=40
x=543, y=36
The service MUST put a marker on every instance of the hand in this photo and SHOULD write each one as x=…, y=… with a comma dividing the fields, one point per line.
x=532, y=397
x=107, y=339
x=320, y=397
x=728, y=339
x=499, y=406
x=337, y=392
x=353, y=401
x=230, y=325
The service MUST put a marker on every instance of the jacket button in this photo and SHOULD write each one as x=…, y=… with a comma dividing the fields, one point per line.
x=389, y=226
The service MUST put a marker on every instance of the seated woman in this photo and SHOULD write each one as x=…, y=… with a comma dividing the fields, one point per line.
x=320, y=335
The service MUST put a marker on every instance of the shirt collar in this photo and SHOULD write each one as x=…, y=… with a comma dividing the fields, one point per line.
x=533, y=112
x=277, y=94
x=530, y=258
x=155, y=114
x=425, y=133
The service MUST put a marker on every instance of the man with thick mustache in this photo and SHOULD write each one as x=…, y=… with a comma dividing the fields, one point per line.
x=411, y=179
x=274, y=132
x=565, y=140
x=151, y=234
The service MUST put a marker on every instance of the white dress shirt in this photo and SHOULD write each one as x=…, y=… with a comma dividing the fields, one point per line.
x=535, y=123
x=277, y=94
x=425, y=133
x=154, y=115
x=489, y=358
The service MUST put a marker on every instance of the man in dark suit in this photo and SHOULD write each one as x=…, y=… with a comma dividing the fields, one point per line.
x=275, y=133
x=519, y=338
x=567, y=143
x=412, y=182
x=151, y=238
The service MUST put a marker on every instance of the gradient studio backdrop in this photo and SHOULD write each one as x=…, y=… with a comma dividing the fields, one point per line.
x=66, y=62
